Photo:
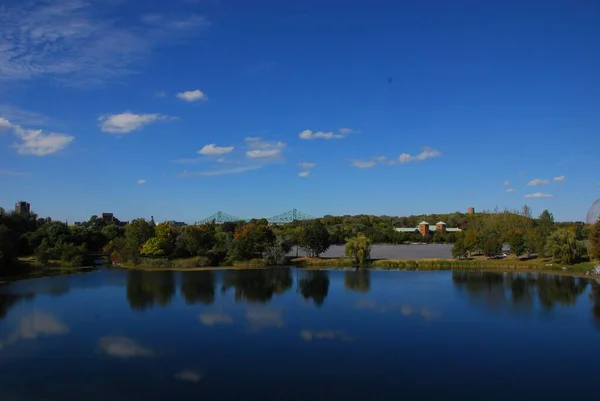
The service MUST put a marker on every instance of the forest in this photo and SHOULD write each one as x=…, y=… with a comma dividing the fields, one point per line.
x=165, y=244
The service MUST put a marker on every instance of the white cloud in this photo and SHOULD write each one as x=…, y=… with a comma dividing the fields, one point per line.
x=304, y=174
x=539, y=195
x=363, y=164
x=34, y=142
x=307, y=165
x=188, y=375
x=160, y=94
x=213, y=318
x=511, y=190
x=122, y=347
x=225, y=171
x=537, y=181
x=81, y=42
x=347, y=131
x=192, y=96
x=506, y=183
x=427, y=153
x=214, y=150
x=260, y=149
x=126, y=122
x=141, y=182
x=20, y=116
x=342, y=132
x=560, y=178
x=404, y=158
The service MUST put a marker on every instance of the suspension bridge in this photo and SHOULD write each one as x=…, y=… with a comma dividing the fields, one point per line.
x=287, y=217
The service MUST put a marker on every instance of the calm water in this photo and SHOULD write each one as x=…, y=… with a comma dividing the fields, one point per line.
x=286, y=334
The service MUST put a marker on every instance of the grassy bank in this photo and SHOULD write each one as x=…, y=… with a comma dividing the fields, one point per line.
x=200, y=263
x=447, y=264
x=27, y=267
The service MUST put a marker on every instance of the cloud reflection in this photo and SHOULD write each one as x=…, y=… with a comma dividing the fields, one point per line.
x=122, y=347
x=308, y=335
x=263, y=318
x=189, y=375
x=35, y=325
x=211, y=319
x=406, y=310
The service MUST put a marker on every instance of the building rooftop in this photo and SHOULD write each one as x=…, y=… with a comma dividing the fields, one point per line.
x=440, y=223
x=423, y=222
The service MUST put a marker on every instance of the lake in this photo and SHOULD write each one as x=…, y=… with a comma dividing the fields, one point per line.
x=292, y=334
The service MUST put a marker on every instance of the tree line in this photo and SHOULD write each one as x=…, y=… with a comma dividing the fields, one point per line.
x=526, y=237
x=209, y=244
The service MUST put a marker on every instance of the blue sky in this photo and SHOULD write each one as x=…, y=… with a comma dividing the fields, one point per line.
x=178, y=109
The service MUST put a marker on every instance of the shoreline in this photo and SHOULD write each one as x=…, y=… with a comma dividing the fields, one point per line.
x=579, y=270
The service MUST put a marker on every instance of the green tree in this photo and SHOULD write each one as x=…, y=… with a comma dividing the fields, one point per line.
x=42, y=253
x=471, y=241
x=563, y=247
x=359, y=249
x=276, y=254
x=153, y=248
x=198, y=240
x=251, y=241
x=459, y=250
x=594, y=238
x=545, y=226
x=315, y=238
x=491, y=244
x=516, y=241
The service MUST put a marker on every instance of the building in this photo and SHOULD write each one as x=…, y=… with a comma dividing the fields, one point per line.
x=471, y=210
x=424, y=228
x=22, y=208
x=107, y=217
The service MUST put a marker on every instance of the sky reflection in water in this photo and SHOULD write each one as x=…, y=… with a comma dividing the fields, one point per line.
x=264, y=334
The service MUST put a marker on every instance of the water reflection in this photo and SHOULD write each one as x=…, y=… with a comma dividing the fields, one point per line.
x=198, y=287
x=520, y=290
x=315, y=285
x=214, y=318
x=358, y=280
x=595, y=297
x=308, y=335
x=144, y=289
x=257, y=285
x=8, y=300
x=189, y=375
x=122, y=347
x=34, y=325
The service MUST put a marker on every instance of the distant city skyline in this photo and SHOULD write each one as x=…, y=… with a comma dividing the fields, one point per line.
x=183, y=108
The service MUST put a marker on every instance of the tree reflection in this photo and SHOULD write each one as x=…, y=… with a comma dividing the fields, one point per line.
x=257, y=285
x=358, y=280
x=496, y=289
x=563, y=290
x=198, y=287
x=9, y=300
x=144, y=289
x=595, y=297
x=315, y=285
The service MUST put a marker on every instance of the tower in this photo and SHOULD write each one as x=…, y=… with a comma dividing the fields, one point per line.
x=22, y=208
